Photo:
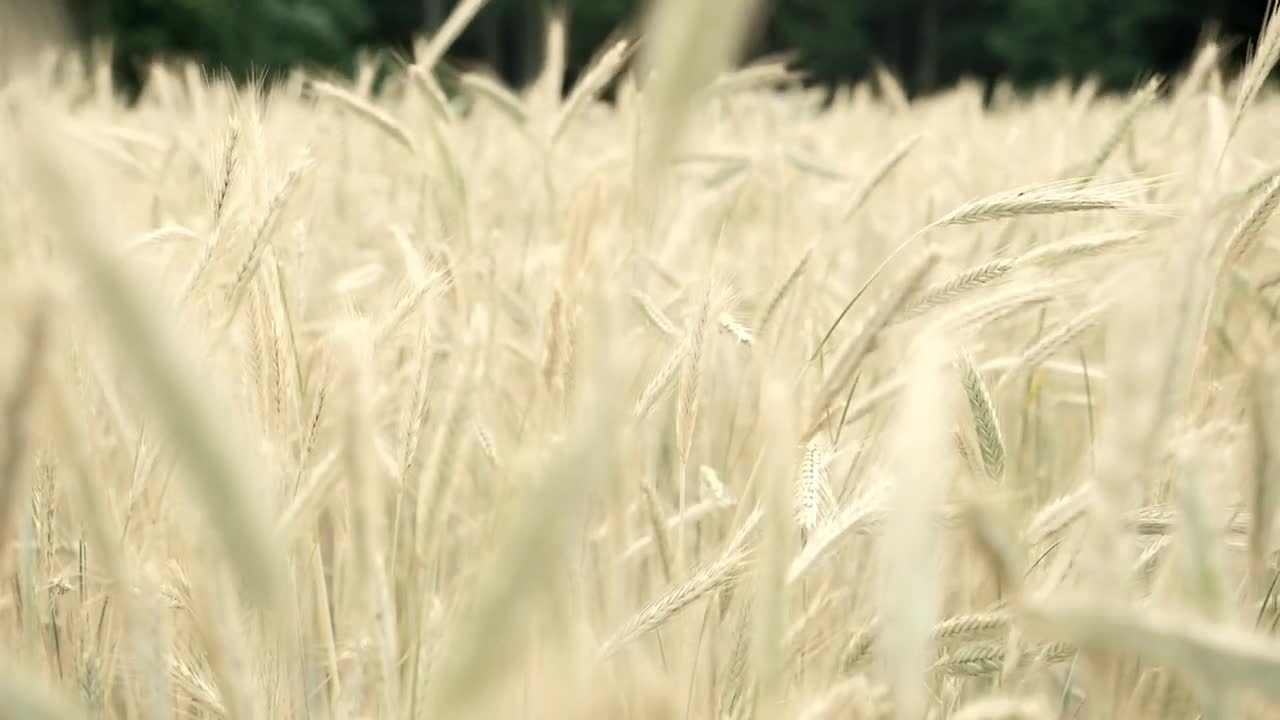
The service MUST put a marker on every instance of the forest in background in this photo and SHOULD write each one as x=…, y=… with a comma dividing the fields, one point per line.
x=928, y=44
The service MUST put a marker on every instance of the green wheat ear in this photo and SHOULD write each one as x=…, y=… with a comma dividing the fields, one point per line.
x=986, y=423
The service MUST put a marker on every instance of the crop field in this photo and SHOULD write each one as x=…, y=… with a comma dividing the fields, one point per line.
x=693, y=394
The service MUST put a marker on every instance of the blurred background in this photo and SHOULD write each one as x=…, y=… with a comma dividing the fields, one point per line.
x=928, y=44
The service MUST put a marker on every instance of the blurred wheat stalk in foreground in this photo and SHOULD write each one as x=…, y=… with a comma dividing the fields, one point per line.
x=716, y=401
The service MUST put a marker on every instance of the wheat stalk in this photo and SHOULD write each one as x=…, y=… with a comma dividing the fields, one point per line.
x=427, y=56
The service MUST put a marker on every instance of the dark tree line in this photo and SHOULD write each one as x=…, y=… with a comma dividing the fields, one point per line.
x=927, y=43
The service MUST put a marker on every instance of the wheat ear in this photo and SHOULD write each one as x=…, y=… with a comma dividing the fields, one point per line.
x=711, y=577
x=1264, y=59
x=813, y=492
x=948, y=291
x=1243, y=238
x=879, y=173
x=1140, y=102
x=1061, y=196
x=363, y=108
x=986, y=423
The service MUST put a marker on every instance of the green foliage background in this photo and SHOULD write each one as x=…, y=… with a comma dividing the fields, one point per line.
x=929, y=43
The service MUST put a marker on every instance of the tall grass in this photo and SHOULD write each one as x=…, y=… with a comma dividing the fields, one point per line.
x=321, y=404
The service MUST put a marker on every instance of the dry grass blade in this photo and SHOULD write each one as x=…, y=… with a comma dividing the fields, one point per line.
x=1223, y=655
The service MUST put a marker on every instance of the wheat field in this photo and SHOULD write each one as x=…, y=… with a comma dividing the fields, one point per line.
x=713, y=400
